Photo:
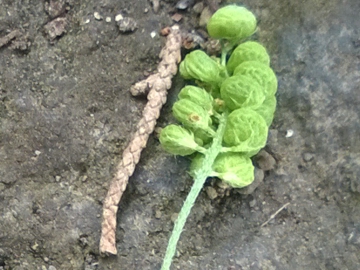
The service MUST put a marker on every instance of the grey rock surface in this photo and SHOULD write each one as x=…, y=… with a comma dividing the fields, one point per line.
x=66, y=114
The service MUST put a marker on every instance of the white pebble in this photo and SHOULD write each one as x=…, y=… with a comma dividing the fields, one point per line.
x=108, y=19
x=97, y=16
x=118, y=17
x=289, y=133
x=153, y=34
x=37, y=152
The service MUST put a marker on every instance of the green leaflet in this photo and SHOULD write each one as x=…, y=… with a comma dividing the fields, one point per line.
x=178, y=141
x=247, y=51
x=232, y=23
x=202, y=137
x=242, y=91
x=234, y=169
x=262, y=73
x=192, y=115
x=267, y=109
x=197, y=95
x=197, y=65
x=245, y=132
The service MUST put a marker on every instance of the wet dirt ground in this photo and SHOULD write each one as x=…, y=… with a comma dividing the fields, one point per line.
x=66, y=114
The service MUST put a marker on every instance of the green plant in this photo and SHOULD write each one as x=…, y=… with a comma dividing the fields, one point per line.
x=226, y=124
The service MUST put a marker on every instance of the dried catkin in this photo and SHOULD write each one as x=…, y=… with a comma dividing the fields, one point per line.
x=157, y=86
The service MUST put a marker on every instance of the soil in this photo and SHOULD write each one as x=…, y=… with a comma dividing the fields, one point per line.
x=66, y=114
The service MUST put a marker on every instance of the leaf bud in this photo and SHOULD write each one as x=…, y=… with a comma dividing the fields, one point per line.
x=241, y=91
x=191, y=115
x=262, y=73
x=197, y=95
x=232, y=23
x=234, y=169
x=247, y=51
x=199, y=66
x=267, y=109
x=219, y=105
x=246, y=131
x=202, y=136
x=178, y=141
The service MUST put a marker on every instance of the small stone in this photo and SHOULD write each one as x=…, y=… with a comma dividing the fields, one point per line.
x=55, y=28
x=34, y=246
x=174, y=217
x=289, y=133
x=252, y=203
x=146, y=10
x=97, y=16
x=198, y=7
x=55, y=8
x=51, y=267
x=153, y=34
x=265, y=161
x=158, y=214
x=205, y=16
x=46, y=259
x=14, y=213
x=212, y=46
x=176, y=17
x=108, y=19
x=127, y=24
x=57, y=178
x=37, y=152
x=222, y=185
x=118, y=17
x=184, y=4
x=211, y=192
x=43, y=267
x=155, y=5
x=308, y=157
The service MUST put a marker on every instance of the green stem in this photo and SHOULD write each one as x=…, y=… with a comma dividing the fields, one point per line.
x=199, y=180
x=200, y=149
x=224, y=53
x=223, y=56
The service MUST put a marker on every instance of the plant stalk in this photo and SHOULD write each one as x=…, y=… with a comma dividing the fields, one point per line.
x=199, y=180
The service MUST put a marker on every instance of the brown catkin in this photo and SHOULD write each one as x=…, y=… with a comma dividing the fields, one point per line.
x=157, y=86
